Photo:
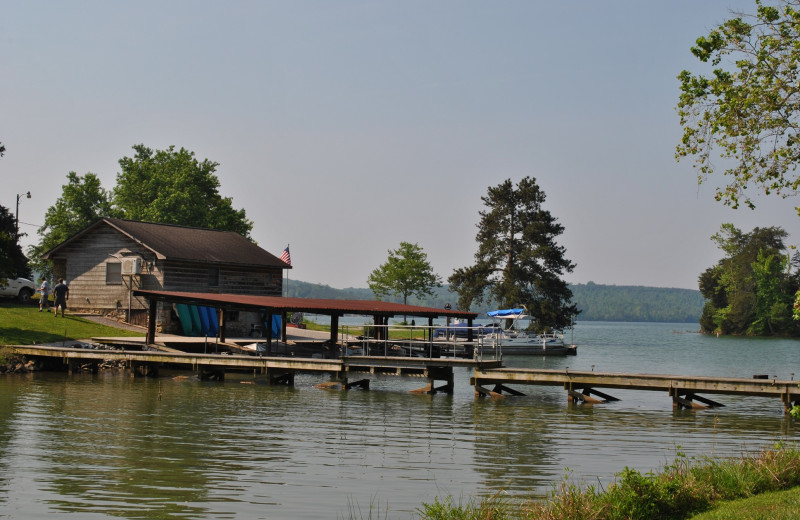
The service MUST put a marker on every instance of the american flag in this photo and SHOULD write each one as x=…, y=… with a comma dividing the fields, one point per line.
x=286, y=257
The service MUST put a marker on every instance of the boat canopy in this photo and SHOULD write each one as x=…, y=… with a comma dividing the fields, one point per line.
x=508, y=313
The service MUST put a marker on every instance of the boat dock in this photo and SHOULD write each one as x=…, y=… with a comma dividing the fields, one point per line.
x=582, y=386
x=272, y=370
x=348, y=356
x=489, y=378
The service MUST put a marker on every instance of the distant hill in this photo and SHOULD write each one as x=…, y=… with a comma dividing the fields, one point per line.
x=597, y=302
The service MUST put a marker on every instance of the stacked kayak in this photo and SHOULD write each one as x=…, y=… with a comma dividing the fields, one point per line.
x=197, y=320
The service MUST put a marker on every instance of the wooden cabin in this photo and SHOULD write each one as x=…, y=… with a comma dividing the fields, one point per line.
x=107, y=261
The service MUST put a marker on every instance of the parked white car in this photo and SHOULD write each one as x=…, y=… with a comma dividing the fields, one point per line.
x=20, y=288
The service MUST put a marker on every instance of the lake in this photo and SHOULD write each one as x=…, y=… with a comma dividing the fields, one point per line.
x=110, y=446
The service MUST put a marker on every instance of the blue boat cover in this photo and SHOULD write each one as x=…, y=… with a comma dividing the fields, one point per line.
x=506, y=312
x=276, y=326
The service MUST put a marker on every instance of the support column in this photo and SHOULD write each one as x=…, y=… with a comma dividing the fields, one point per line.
x=334, y=329
x=266, y=318
x=150, y=337
x=142, y=369
x=437, y=374
x=223, y=320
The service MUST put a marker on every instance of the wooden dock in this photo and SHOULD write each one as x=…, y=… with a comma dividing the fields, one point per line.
x=489, y=377
x=582, y=386
x=274, y=370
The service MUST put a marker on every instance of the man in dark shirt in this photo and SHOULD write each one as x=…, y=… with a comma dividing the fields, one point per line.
x=61, y=294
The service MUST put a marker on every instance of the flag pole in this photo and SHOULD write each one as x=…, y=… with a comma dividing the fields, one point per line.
x=287, y=258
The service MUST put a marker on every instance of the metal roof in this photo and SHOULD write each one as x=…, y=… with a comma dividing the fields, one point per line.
x=278, y=304
x=181, y=243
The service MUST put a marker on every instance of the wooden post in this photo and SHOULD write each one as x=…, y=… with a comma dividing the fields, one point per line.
x=150, y=337
x=267, y=319
x=334, y=329
x=222, y=321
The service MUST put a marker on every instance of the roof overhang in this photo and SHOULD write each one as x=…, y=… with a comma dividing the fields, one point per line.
x=279, y=304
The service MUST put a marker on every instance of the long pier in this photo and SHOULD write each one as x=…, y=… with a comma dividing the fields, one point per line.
x=489, y=377
x=274, y=370
x=582, y=386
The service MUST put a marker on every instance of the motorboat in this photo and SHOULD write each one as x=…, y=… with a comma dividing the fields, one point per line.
x=516, y=341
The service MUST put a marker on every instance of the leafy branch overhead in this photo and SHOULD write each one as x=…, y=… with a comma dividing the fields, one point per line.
x=745, y=114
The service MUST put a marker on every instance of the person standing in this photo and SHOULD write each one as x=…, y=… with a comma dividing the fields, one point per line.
x=61, y=294
x=44, y=290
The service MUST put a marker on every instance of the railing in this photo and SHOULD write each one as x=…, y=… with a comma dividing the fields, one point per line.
x=418, y=341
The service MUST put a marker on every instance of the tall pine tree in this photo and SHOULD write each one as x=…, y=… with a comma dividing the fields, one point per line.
x=518, y=261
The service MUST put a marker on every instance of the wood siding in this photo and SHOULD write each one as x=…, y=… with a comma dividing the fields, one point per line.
x=194, y=277
x=82, y=264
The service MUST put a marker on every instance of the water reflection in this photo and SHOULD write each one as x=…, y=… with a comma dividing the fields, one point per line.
x=107, y=445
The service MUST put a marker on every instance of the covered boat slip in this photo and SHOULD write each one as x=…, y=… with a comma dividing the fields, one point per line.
x=271, y=306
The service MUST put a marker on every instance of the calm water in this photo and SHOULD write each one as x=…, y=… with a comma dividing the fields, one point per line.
x=105, y=446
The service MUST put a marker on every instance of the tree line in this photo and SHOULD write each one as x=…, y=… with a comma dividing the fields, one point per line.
x=596, y=302
x=744, y=116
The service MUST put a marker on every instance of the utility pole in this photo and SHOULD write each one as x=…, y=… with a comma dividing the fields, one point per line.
x=19, y=195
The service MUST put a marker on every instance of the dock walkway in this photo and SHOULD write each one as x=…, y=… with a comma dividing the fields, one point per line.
x=275, y=370
x=582, y=386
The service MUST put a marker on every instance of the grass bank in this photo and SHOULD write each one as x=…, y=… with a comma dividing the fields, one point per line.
x=367, y=330
x=25, y=325
x=767, y=481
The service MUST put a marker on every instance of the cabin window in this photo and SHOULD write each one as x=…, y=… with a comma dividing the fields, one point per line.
x=113, y=273
x=213, y=276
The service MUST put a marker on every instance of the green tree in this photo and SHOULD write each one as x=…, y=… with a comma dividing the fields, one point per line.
x=162, y=186
x=750, y=290
x=12, y=262
x=173, y=187
x=406, y=272
x=747, y=111
x=518, y=260
x=83, y=201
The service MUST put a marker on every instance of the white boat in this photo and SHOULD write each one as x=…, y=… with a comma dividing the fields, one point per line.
x=515, y=341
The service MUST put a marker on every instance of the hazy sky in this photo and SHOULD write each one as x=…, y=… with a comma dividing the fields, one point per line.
x=346, y=127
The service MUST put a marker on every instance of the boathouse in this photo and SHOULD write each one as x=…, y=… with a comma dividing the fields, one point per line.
x=107, y=262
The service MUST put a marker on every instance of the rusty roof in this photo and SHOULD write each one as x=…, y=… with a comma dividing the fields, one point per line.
x=278, y=304
x=172, y=242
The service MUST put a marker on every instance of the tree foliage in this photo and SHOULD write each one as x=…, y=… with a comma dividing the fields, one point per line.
x=164, y=186
x=751, y=290
x=518, y=261
x=746, y=112
x=83, y=201
x=12, y=262
x=173, y=187
x=406, y=272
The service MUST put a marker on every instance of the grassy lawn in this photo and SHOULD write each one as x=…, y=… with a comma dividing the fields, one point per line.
x=777, y=505
x=356, y=330
x=25, y=325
